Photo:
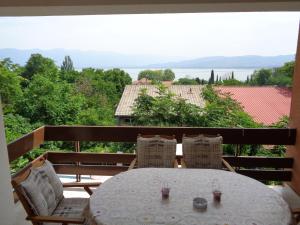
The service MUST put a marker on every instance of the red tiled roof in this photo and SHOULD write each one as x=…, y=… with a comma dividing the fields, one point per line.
x=265, y=104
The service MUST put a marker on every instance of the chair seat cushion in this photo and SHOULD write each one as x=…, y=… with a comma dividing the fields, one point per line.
x=48, y=170
x=70, y=208
x=39, y=193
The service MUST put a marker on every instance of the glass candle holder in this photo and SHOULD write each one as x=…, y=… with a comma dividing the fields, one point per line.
x=217, y=196
x=216, y=190
x=165, y=190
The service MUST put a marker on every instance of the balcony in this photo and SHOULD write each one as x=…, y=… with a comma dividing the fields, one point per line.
x=110, y=164
x=77, y=163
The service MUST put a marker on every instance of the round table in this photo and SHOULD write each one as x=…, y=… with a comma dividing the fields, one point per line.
x=134, y=198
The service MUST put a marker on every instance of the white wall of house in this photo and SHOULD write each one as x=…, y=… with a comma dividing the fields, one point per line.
x=7, y=209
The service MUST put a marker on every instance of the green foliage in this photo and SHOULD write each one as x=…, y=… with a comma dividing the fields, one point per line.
x=157, y=75
x=119, y=78
x=231, y=82
x=50, y=102
x=10, y=88
x=168, y=110
x=262, y=77
x=212, y=77
x=168, y=75
x=281, y=76
x=16, y=126
x=187, y=81
x=67, y=64
x=165, y=110
x=223, y=111
x=37, y=64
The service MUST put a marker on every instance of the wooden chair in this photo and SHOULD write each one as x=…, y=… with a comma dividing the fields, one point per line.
x=208, y=145
x=168, y=146
x=62, y=213
x=296, y=216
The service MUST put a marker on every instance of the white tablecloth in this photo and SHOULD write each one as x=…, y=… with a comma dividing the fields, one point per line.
x=134, y=198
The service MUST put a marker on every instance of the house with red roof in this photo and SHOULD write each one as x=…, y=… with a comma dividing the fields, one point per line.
x=265, y=104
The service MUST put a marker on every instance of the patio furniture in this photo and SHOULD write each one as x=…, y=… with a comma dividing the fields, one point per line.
x=41, y=193
x=134, y=197
x=296, y=216
x=203, y=151
x=155, y=151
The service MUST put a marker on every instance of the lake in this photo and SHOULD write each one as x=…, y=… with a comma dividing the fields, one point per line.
x=239, y=74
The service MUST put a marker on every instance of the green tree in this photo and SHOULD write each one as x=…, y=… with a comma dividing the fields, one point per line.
x=10, y=88
x=212, y=77
x=119, y=78
x=157, y=75
x=67, y=64
x=50, y=102
x=165, y=110
x=37, y=64
x=223, y=111
x=187, y=81
x=168, y=75
x=262, y=77
x=232, y=82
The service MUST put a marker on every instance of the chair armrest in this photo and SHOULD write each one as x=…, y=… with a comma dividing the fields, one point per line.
x=296, y=211
x=86, y=186
x=56, y=219
x=183, y=164
x=296, y=215
x=175, y=163
x=81, y=184
x=227, y=165
x=132, y=164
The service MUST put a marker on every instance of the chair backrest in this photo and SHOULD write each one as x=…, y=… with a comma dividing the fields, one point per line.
x=38, y=188
x=202, y=151
x=156, y=151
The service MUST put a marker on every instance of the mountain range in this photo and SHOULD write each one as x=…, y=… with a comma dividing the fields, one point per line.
x=82, y=59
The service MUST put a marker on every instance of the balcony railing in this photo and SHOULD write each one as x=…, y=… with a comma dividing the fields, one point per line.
x=109, y=164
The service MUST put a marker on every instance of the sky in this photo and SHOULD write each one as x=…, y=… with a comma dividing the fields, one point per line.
x=181, y=35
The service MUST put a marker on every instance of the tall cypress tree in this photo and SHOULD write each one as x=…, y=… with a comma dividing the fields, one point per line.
x=67, y=64
x=212, y=77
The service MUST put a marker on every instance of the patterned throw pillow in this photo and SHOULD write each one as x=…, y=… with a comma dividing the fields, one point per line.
x=156, y=152
x=48, y=170
x=39, y=193
x=202, y=151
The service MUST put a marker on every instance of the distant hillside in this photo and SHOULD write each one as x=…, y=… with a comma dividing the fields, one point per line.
x=247, y=61
x=96, y=59
x=82, y=59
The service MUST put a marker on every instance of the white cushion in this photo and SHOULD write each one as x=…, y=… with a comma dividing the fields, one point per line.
x=156, y=152
x=39, y=193
x=48, y=170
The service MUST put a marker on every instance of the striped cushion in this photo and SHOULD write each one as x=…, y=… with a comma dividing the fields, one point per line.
x=156, y=152
x=202, y=151
x=70, y=207
x=48, y=170
x=39, y=193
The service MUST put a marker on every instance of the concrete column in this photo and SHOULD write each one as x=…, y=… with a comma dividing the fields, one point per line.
x=294, y=151
x=7, y=209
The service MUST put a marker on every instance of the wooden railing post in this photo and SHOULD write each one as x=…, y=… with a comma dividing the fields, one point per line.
x=294, y=151
x=77, y=149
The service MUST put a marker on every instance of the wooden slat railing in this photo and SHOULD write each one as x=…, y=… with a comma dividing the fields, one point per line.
x=272, y=136
x=261, y=168
x=275, y=169
x=26, y=143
